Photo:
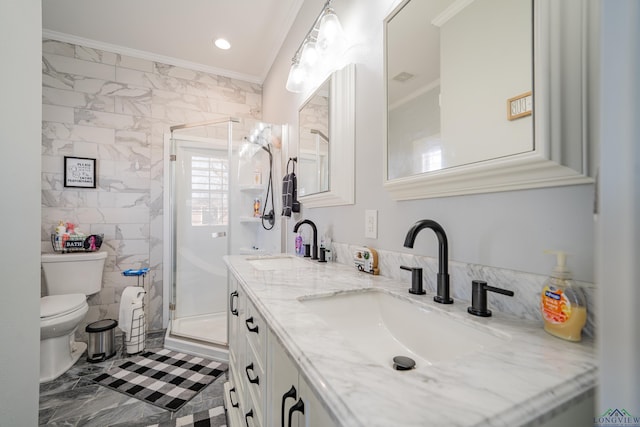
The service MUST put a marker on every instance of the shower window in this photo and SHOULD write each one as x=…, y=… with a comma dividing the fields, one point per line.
x=209, y=190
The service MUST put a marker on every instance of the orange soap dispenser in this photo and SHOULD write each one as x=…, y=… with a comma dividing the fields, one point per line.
x=563, y=305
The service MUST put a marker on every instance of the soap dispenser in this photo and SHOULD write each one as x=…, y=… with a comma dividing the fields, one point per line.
x=563, y=305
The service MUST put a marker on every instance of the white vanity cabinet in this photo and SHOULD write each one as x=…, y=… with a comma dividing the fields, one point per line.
x=260, y=370
x=253, y=371
x=292, y=402
x=234, y=388
x=244, y=393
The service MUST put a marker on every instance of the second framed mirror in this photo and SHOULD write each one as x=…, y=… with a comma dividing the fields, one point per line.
x=326, y=144
x=314, y=142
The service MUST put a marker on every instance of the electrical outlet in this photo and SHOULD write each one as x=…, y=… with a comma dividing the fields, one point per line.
x=371, y=223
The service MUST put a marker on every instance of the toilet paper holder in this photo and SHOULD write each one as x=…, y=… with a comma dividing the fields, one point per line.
x=132, y=315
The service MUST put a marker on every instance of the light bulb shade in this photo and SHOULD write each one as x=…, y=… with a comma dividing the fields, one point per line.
x=309, y=55
x=295, y=81
x=330, y=34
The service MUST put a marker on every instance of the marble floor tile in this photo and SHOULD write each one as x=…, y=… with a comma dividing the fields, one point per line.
x=72, y=400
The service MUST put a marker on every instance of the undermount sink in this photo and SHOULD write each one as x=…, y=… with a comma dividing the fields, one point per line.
x=382, y=326
x=275, y=262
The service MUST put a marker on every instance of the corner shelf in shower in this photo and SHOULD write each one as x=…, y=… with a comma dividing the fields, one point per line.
x=253, y=188
x=249, y=219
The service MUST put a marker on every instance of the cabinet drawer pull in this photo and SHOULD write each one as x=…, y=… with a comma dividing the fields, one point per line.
x=250, y=321
x=255, y=380
x=233, y=295
x=298, y=407
x=237, y=404
x=290, y=394
x=247, y=416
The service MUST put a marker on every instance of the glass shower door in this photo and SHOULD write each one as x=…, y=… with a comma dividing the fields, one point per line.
x=201, y=203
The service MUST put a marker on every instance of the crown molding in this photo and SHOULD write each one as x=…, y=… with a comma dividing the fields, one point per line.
x=122, y=50
x=450, y=12
x=291, y=17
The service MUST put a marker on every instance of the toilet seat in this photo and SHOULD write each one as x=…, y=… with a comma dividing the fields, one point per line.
x=59, y=305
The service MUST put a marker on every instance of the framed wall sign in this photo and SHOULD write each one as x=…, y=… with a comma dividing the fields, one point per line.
x=520, y=106
x=79, y=172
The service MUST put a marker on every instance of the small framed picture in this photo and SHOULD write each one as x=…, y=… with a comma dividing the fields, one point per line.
x=79, y=172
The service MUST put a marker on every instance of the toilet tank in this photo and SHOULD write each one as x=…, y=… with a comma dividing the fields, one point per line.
x=73, y=273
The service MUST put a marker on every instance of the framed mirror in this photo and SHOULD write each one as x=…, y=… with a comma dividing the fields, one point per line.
x=313, y=142
x=326, y=144
x=460, y=109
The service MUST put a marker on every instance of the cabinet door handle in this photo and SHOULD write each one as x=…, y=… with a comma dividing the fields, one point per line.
x=298, y=407
x=255, y=380
x=237, y=404
x=291, y=393
x=247, y=416
x=250, y=321
x=233, y=295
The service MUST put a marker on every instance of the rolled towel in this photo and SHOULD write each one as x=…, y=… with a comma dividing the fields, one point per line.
x=131, y=297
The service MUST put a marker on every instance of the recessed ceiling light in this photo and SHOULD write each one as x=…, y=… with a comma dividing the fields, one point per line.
x=222, y=44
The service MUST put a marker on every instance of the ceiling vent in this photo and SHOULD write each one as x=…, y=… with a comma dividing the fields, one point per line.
x=403, y=77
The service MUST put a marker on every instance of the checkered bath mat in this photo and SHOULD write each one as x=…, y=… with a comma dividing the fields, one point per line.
x=164, y=378
x=214, y=417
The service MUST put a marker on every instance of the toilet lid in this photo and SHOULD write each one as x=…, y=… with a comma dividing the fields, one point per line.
x=56, y=305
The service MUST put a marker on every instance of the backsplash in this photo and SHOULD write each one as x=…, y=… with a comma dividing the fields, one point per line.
x=526, y=286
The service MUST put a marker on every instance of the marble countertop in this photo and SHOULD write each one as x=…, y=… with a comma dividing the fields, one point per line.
x=530, y=375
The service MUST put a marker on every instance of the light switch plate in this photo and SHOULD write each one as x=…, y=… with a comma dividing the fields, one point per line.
x=371, y=223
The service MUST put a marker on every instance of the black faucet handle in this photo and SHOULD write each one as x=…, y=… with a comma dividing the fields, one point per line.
x=479, y=297
x=416, y=280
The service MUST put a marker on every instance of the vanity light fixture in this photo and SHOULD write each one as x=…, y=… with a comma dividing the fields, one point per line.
x=330, y=34
x=309, y=56
x=316, y=56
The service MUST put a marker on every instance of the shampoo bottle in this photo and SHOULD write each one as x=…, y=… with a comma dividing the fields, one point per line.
x=256, y=208
x=563, y=305
x=299, y=245
x=61, y=228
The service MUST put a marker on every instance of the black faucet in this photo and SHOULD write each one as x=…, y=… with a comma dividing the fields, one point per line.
x=479, y=297
x=443, y=270
x=314, y=248
x=416, y=280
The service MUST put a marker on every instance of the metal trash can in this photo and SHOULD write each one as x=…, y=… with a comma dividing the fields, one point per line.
x=102, y=340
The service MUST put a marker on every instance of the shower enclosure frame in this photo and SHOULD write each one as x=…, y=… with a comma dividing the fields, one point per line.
x=173, y=341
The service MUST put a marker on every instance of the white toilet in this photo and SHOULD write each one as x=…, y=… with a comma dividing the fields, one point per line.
x=69, y=279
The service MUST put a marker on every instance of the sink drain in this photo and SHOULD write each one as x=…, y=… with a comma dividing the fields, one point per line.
x=403, y=363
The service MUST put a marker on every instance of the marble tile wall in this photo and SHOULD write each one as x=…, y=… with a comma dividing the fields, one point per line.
x=116, y=109
x=526, y=286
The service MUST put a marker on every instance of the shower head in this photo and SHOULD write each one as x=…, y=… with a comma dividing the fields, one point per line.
x=260, y=141
x=261, y=135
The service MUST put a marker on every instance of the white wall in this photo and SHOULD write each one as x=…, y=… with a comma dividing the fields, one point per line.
x=20, y=121
x=508, y=230
x=618, y=223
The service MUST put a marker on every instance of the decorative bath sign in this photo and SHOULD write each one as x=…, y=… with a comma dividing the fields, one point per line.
x=79, y=172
